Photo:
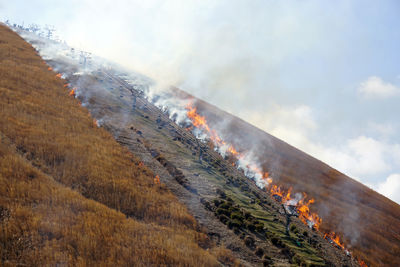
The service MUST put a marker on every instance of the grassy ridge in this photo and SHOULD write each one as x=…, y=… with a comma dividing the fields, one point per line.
x=69, y=193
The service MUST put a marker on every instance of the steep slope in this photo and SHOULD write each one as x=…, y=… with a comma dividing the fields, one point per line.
x=230, y=207
x=69, y=194
x=368, y=222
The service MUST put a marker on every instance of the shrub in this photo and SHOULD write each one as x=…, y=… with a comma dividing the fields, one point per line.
x=259, y=227
x=220, y=211
x=225, y=205
x=249, y=241
x=236, y=230
x=250, y=226
x=237, y=216
x=221, y=193
x=267, y=261
x=234, y=223
x=259, y=252
x=223, y=218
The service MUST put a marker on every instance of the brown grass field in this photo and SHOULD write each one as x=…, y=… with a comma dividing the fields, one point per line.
x=69, y=194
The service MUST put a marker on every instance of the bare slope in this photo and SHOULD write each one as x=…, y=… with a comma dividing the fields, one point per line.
x=69, y=194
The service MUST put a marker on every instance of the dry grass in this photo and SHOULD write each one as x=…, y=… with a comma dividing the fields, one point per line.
x=68, y=192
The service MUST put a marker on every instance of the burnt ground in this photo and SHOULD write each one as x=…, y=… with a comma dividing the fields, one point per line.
x=229, y=207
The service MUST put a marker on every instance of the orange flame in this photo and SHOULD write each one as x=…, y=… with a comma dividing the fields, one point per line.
x=95, y=122
x=200, y=122
x=157, y=179
x=141, y=164
x=305, y=215
x=302, y=206
x=280, y=194
x=72, y=92
x=50, y=68
x=334, y=239
x=66, y=85
x=362, y=263
x=58, y=75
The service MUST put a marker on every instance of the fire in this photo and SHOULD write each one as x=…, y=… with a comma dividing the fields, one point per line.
x=49, y=68
x=72, y=92
x=95, y=123
x=58, y=75
x=279, y=194
x=334, y=239
x=305, y=215
x=232, y=150
x=310, y=219
x=200, y=122
x=303, y=206
x=66, y=85
x=157, y=179
x=362, y=263
x=141, y=164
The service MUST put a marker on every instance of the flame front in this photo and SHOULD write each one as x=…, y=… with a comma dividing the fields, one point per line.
x=305, y=215
x=200, y=122
x=279, y=194
x=72, y=92
x=309, y=218
x=303, y=206
x=334, y=238
x=157, y=179
x=362, y=263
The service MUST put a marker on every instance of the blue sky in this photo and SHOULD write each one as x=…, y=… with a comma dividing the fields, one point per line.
x=322, y=75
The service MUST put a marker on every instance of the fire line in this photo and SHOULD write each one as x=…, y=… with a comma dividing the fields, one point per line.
x=302, y=205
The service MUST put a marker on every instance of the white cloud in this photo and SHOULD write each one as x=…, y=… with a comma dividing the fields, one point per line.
x=370, y=155
x=391, y=187
x=375, y=87
x=382, y=129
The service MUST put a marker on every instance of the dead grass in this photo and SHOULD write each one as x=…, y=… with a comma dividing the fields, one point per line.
x=68, y=192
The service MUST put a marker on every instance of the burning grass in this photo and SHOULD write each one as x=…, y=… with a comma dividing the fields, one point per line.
x=69, y=193
x=262, y=179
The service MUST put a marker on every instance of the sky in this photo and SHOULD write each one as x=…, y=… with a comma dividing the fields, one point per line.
x=323, y=76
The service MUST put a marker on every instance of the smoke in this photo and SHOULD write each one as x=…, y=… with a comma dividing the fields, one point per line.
x=277, y=65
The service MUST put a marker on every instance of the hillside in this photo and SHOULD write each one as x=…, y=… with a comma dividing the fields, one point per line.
x=69, y=193
x=229, y=208
x=367, y=222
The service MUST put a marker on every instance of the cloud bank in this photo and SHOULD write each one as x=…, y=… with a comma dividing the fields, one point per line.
x=375, y=87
